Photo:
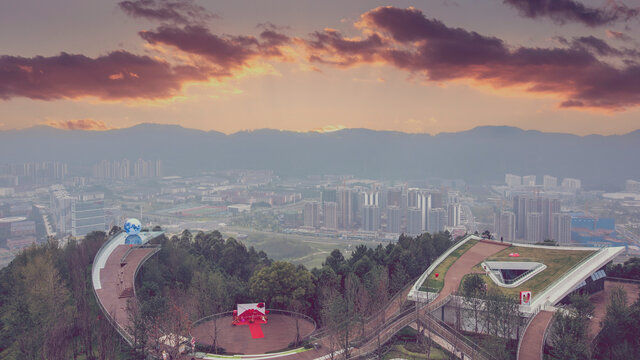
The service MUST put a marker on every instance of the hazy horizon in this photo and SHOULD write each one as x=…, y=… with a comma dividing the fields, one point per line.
x=74, y=127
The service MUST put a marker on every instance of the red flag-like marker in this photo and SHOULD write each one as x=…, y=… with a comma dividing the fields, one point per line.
x=437, y=275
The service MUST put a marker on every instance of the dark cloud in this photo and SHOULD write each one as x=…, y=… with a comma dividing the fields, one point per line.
x=564, y=11
x=410, y=41
x=123, y=75
x=118, y=75
x=227, y=52
x=599, y=46
x=79, y=124
x=337, y=50
x=179, y=11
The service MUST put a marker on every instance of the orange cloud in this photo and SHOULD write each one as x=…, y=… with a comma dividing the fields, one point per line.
x=406, y=39
x=79, y=124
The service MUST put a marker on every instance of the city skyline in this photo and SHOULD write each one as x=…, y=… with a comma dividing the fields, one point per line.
x=303, y=66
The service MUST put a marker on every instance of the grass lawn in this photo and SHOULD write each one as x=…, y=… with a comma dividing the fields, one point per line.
x=436, y=284
x=404, y=346
x=558, y=262
x=399, y=352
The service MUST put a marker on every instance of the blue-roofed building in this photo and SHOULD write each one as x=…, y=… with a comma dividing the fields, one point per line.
x=599, y=232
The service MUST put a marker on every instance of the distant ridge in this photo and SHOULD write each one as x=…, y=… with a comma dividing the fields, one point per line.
x=482, y=154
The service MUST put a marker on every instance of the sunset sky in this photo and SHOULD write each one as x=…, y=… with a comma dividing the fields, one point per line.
x=413, y=66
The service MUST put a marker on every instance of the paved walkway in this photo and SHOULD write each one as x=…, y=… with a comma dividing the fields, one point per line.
x=117, y=282
x=531, y=348
x=472, y=257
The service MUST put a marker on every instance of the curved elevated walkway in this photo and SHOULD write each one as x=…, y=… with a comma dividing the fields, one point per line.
x=113, y=275
x=533, y=338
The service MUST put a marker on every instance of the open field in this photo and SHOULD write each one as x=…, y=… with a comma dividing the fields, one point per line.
x=558, y=262
x=309, y=251
x=436, y=284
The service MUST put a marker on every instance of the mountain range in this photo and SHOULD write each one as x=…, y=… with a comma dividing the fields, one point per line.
x=480, y=155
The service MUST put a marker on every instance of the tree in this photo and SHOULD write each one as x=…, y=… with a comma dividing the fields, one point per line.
x=618, y=338
x=281, y=283
x=502, y=320
x=473, y=285
x=296, y=307
x=335, y=261
x=547, y=242
x=582, y=305
x=114, y=230
x=568, y=339
x=338, y=317
x=138, y=329
x=331, y=315
x=569, y=330
x=107, y=340
x=380, y=298
x=474, y=291
x=629, y=270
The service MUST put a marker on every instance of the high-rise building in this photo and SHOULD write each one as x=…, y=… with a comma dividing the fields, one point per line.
x=393, y=219
x=504, y=225
x=436, y=199
x=533, y=231
x=87, y=214
x=421, y=199
x=570, y=184
x=437, y=220
x=414, y=221
x=548, y=208
x=159, y=170
x=512, y=180
x=371, y=199
x=561, y=228
x=453, y=197
x=61, y=209
x=121, y=170
x=330, y=215
x=520, y=209
x=40, y=172
x=312, y=214
x=507, y=230
x=370, y=218
x=394, y=197
x=453, y=215
x=549, y=182
x=345, y=209
x=329, y=195
x=529, y=180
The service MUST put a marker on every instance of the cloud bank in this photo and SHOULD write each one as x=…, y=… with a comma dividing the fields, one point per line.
x=565, y=11
x=408, y=40
x=117, y=75
x=180, y=12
